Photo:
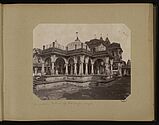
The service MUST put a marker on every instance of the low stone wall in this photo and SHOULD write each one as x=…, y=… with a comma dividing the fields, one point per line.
x=68, y=78
x=55, y=78
x=49, y=85
x=79, y=78
x=58, y=81
x=84, y=84
x=59, y=84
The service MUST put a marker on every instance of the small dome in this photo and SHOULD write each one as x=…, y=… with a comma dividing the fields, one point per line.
x=74, y=45
x=77, y=44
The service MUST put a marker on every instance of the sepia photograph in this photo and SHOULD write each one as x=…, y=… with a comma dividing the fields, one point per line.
x=82, y=61
x=95, y=62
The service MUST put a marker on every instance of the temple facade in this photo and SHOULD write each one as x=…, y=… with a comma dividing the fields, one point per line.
x=94, y=57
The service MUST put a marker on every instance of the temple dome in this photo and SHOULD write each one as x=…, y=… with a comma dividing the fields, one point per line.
x=75, y=44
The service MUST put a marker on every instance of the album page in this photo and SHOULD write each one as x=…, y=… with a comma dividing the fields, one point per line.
x=78, y=62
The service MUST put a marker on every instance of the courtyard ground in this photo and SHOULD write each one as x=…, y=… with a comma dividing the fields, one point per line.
x=118, y=89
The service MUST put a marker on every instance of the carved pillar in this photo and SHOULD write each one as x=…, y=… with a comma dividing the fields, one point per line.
x=75, y=68
x=81, y=68
x=111, y=67
x=43, y=67
x=92, y=67
x=75, y=65
x=98, y=71
x=86, y=62
x=53, y=68
x=86, y=70
x=53, y=59
x=107, y=69
x=124, y=72
x=119, y=69
x=81, y=65
x=127, y=72
x=107, y=66
x=66, y=70
x=56, y=72
x=101, y=68
x=36, y=70
x=71, y=69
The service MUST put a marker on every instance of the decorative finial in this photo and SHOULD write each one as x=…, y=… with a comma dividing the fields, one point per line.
x=107, y=39
x=77, y=39
x=76, y=34
x=101, y=37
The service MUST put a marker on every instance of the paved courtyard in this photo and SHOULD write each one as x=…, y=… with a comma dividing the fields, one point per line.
x=118, y=89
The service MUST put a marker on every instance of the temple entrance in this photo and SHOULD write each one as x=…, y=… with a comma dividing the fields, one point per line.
x=84, y=67
x=89, y=67
x=78, y=65
x=99, y=66
x=48, y=66
x=60, y=66
x=71, y=66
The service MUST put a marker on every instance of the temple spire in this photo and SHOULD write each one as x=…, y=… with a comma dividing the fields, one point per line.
x=77, y=39
x=101, y=37
x=107, y=39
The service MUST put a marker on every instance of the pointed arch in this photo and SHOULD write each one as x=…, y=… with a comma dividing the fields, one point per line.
x=60, y=65
x=99, y=66
x=70, y=66
x=48, y=65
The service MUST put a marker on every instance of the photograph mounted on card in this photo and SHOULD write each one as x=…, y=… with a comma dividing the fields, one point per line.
x=91, y=61
x=81, y=61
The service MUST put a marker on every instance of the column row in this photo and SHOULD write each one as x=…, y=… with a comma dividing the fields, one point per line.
x=78, y=68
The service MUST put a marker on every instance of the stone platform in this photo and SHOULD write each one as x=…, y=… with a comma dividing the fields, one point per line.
x=77, y=80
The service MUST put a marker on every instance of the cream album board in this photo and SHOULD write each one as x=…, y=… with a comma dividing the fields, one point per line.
x=77, y=62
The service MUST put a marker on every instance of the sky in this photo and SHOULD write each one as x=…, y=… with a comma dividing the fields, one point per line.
x=65, y=33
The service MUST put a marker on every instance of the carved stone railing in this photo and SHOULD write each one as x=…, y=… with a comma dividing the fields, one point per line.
x=84, y=49
x=100, y=53
x=59, y=46
x=79, y=51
